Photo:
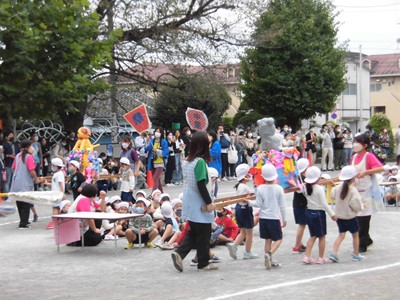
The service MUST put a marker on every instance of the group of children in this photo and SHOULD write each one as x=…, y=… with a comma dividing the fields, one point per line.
x=163, y=216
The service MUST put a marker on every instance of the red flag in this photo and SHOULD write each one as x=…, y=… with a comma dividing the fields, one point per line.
x=138, y=118
x=196, y=119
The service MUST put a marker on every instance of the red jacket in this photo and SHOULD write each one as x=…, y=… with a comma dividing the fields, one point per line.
x=230, y=228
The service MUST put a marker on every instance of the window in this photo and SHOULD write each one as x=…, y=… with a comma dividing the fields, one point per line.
x=379, y=109
x=231, y=72
x=375, y=87
x=351, y=89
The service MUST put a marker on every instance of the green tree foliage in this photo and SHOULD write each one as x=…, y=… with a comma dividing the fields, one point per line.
x=294, y=69
x=200, y=92
x=48, y=58
x=377, y=122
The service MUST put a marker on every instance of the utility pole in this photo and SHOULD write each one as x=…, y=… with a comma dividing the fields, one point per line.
x=113, y=79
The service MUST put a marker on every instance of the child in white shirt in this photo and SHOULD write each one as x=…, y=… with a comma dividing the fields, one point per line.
x=270, y=198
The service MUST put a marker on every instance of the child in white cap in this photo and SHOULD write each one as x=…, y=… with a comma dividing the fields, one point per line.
x=316, y=217
x=244, y=215
x=300, y=207
x=347, y=205
x=128, y=180
x=270, y=198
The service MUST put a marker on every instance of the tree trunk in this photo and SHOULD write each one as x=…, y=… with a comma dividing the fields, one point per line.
x=72, y=121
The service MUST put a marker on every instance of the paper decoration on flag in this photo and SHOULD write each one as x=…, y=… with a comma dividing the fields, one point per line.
x=284, y=162
x=138, y=118
x=196, y=119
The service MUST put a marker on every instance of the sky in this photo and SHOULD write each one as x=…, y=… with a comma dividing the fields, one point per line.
x=373, y=24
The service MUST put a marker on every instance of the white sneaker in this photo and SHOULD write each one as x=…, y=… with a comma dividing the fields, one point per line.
x=224, y=179
x=110, y=237
x=232, y=248
x=159, y=243
x=249, y=255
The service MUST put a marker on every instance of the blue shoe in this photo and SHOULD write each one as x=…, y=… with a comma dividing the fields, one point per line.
x=334, y=258
x=358, y=257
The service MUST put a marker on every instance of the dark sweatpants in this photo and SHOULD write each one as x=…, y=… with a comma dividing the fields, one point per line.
x=365, y=239
x=24, y=210
x=198, y=237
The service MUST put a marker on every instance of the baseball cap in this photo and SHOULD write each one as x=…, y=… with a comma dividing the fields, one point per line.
x=144, y=200
x=213, y=172
x=241, y=171
x=347, y=173
x=125, y=161
x=312, y=174
x=141, y=192
x=166, y=210
x=57, y=162
x=75, y=163
x=269, y=172
x=302, y=164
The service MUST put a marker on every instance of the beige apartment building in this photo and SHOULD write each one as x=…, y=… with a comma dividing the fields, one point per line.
x=385, y=86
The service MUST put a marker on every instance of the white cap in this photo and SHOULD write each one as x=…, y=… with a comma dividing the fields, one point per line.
x=269, y=172
x=125, y=161
x=312, y=174
x=166, y=210
x=326, y=176
x=175, y=201
x=75, y=163
x=155, y=192
x=164, y=195
x=57, y=162
x=180, y=196
x=213, y=172
x=302, y=164
x=123, y=204
x=141, y=192
x=144, y=200
x=241, y=171
x=347, y=173
x=63, y=203
x=394, y=167
x=114, y=198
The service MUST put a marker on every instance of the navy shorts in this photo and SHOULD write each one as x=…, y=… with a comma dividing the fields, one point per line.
x=127, y=197
x=144, y=238
x=244, y=216
x=348, y=225
x=270, y=229
x=316, y=221
x=300, y=216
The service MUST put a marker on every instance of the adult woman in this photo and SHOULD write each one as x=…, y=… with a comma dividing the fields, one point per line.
x=215, y=151
x=24, y=177
x=197, y=205
x=37, y=154
x=179, y=149
x=130, y=153
x=186, y=137
x=348, y=146
x=157, y=157
x=61, y=149
x=170, y=166
x=311, y=148
x=384, y=140
x=250, y=147
x=45, y=156
x=366, y=165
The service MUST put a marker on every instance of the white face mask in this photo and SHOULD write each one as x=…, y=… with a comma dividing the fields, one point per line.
x=157, y=134
x=188, y=132
x=54, y=168
x=125, y=145
x=36, y=138
x=357, y=147
x=170, y=137
x=250, y=135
